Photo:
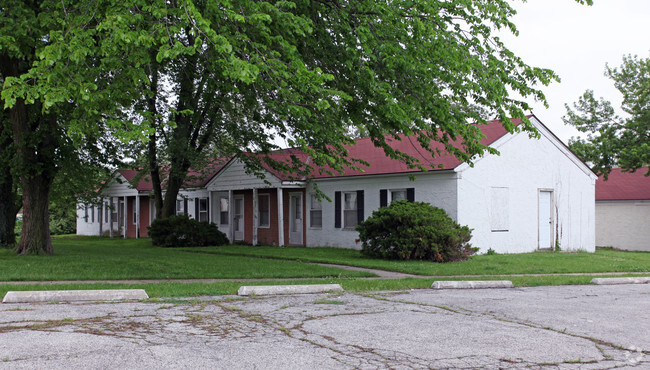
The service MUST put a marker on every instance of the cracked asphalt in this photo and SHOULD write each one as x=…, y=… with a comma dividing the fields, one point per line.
x=565, y=327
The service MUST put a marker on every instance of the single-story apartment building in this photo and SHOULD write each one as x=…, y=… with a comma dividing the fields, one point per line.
x=126, y=208
x=623, y=210
x=535, y=195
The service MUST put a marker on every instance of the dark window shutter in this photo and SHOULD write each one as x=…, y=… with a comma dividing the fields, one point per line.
x=185, y=207
x=360, y=206
x=207, y=207
x=196, y=209
x=337, y=209
x=410, y=194
x=383, y=198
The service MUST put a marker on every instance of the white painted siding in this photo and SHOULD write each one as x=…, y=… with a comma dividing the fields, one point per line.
x=623, y=224
x=525, y=167
x=234, y=177
x=87, y=226
x=117, y=188
x=437, y=188
x=191, y=195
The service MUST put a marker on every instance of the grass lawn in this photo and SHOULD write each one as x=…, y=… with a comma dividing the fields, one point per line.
x=87, y=258
x=178, y=289
x=91, y=258
x=501, y=264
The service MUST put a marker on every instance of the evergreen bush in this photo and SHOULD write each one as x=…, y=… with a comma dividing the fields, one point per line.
x=414, y=231
x=182, y=231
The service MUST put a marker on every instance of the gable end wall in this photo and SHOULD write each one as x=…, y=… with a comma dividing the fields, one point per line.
x=525, y=167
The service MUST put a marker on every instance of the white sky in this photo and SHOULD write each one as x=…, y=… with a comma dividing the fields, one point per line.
x=576, y=41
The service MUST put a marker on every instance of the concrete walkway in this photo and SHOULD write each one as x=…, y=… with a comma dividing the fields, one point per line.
x=381, y=274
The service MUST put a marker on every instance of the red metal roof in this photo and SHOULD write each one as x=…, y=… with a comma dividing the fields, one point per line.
x=194, y=179
x=365, y=150
x=624, y=185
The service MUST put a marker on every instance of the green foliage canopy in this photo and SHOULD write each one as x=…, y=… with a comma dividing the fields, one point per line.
x=303, y=71
x=613, y=140
x=243, y=75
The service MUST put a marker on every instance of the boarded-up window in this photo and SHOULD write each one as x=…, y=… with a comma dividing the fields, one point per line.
x=499, y=209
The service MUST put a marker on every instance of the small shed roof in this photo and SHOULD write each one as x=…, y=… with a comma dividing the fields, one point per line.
x=624, y=185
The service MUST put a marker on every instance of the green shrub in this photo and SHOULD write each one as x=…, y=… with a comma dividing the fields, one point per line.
x=414, y=231
x=63, y=218
x=182, y=231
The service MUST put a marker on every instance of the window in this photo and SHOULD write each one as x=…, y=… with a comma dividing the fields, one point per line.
x=499, y=209
x=350, y=210
x=396, y=195
x=263, y=208
x=223, y=210
x=180, y=207
x=114, y=212
x=203, y=209
x=387, y=196
x=92, y=213
x=315, y=212
x=106, y=209
x=349, y=206
x=86, y=213
x=135, y=214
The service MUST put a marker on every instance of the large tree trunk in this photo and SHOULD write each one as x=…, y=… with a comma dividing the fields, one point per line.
x=169, y=204
x=8, y=207
x=154, y=167
x=35, y=236
x=36, y=145
x=179, y=148
x=35, y=136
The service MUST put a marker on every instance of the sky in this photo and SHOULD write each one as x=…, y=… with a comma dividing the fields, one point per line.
x=577, y=41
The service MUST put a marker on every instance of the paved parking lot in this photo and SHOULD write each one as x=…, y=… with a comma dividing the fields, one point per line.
x=555, y=327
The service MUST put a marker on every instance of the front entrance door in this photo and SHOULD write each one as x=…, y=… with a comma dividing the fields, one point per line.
x=238, y=217
x=545, y=219
x=295, y=218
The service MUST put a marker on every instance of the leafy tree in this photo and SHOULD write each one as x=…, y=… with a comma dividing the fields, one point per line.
x=613, y=140
x=308, y=73
x=201, y=76
x=59, y=90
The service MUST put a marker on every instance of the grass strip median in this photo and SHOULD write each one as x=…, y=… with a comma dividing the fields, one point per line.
x=170, y=289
